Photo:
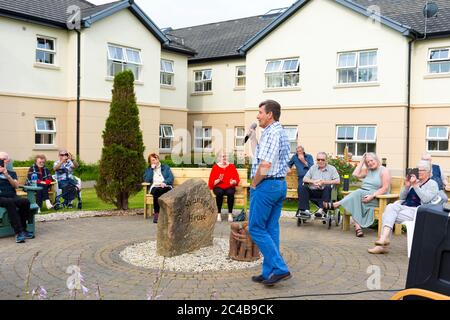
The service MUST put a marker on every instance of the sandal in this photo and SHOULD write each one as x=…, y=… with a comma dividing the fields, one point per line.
x=359, y=233
x=383, y=244
x=378, y=250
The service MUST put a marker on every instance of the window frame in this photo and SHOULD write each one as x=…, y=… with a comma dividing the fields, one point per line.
x=52, y=52
x=428, y=138
x=124, y=62
x=291, y=149
x=440, y=60
x=203, y=138
x=236, y=137
x=357, y=66
x=203, y=81
x=38, y=131
x=355, y=139
x=282, y=73
x=162, y=128
x=170, y=75
x=240, y=77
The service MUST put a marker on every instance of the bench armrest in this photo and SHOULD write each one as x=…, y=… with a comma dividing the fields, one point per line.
x=388, y=196
x=144, y=184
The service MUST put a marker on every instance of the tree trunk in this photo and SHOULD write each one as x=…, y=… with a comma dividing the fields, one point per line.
x=242, y=248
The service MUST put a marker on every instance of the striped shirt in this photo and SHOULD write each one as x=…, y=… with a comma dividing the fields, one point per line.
x=273, y=147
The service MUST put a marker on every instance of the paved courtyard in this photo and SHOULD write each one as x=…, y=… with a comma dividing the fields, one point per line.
x=322, y=262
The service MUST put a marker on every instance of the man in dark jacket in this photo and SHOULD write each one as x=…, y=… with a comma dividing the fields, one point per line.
x=160, y=178
x=302, y=162
x=11, y=202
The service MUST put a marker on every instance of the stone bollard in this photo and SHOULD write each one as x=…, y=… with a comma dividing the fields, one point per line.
x=242, y=248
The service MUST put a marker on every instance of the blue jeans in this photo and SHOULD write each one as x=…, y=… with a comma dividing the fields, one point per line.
x=266, y=202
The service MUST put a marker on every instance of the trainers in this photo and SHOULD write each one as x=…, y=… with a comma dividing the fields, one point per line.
x=48, y=204
x=230, y=217
x=28, y=235
x=258, y=279
x=275, y=278
x=70, y=206
x=303, y=214
x=20, y=238
x=219, y=217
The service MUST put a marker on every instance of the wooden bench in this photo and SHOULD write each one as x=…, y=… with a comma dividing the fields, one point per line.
x=22, y=173
x=183, y=174
x=383, y=201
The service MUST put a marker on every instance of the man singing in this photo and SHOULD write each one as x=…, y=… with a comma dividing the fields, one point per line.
x=268, y=190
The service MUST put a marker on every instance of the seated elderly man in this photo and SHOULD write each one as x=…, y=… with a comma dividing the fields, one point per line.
x=416, y=192
x=10, y=201
x=317, y=185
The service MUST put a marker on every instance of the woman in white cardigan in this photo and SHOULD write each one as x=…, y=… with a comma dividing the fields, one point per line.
x=416, y=191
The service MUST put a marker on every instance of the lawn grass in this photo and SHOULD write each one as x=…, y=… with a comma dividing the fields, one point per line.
x=92, y=203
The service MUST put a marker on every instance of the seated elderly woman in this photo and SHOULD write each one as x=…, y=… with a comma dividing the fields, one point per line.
x=223, y=180
x=160, y=178
x=438, y=176
x=362, y=202
x=44, y=180
x=416, y=192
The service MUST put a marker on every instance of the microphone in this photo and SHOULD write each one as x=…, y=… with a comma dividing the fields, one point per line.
x=252, y=127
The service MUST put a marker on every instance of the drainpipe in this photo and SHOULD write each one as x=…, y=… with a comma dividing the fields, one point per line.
x=408, y=109
x=78, y=90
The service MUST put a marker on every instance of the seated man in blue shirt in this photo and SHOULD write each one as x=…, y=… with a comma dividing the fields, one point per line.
x=11, y=202
x=302, y=162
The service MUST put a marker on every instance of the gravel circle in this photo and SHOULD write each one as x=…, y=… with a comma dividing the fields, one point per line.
x=214, y=258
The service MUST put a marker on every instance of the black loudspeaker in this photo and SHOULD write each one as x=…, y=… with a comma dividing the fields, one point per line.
x=429, y=264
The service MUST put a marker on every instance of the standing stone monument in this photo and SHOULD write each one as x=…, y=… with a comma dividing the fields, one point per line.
x=186, y=219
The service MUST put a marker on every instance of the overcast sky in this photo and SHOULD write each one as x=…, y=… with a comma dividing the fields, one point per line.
x=184, y=13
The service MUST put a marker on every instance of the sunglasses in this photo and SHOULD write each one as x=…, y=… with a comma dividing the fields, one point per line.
x=320, y=159
x=64, y=154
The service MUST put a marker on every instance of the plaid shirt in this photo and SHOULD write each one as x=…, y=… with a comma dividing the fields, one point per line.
x=273, y=147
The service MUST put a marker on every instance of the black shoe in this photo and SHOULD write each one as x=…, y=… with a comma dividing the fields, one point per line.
x=303, y=214
x=155, y=218
x=318, y=215
x=258, y=279
x=79, y=206
x=275, y=278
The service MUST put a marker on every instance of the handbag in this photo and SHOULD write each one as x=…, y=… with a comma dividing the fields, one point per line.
x=241, y=216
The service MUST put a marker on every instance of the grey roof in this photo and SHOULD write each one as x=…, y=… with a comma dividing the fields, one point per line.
x=221, y=39
x=409, y=12
x=46, y=11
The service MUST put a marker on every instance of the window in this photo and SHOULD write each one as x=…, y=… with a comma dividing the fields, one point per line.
x=121, y=59
x=45, y=50
x=354, y=67
x=203, y=138
x=239, y=136
x=437, y=138
x=291, y=133
x=45, y=131
x=358, y=139
x=167, y=73
x=240, y=77
x=282, y=73
x=203, y=80
x=165, y=137
x=439, y=61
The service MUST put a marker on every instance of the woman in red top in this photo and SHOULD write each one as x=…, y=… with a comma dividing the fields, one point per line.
x=223, y=181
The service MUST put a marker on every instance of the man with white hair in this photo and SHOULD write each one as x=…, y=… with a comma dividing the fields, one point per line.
x=438, y=176
x=416, y=192
x=11, y=202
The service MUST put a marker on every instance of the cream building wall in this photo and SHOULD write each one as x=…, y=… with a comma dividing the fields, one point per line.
x=316, y=34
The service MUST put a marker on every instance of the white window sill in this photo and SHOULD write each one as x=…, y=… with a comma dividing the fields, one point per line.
x=437, y=75
x=167, y=87
x=282, y=89
x=165, y=150
x=239, y=89
x=357, y=85
x=443, y=154
x=45, y=147
x=136, y=82
x=205, y=93
x=46, y=66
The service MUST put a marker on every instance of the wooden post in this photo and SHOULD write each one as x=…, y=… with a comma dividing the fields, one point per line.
x=242, y=248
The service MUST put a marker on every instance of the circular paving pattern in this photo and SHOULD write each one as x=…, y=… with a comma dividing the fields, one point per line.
x=213, y=258
x=322, y=261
